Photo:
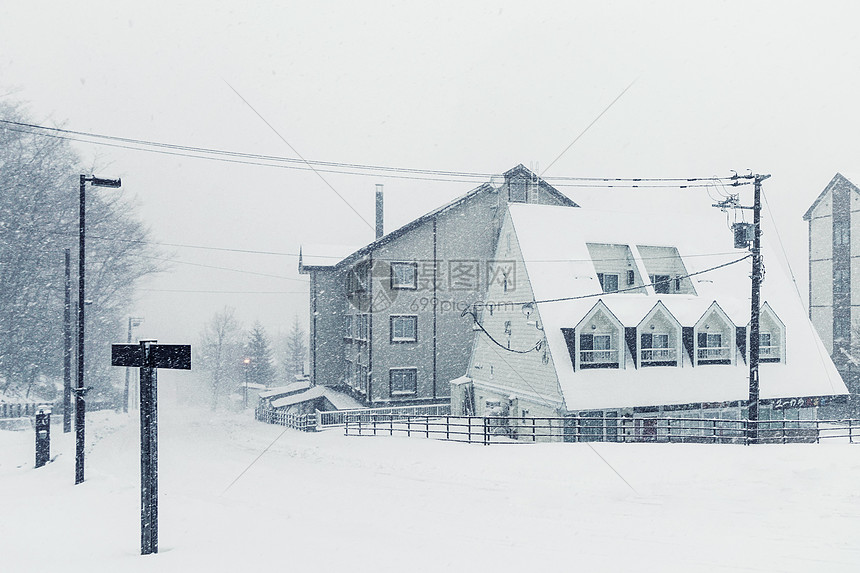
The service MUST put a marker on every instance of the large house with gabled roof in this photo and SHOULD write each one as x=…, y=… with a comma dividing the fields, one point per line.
x=640, y=315
x=385, y=319
x=834, y=267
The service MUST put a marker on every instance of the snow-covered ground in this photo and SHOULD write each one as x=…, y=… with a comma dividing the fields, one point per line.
x=329, y=502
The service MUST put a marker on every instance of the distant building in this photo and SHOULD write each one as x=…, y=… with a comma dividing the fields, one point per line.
x=834, y=267
x=386, y=318
x=628, y=320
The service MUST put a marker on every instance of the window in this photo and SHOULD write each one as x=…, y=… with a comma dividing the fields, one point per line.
x=404, y=328
x=841, y=281
x=403, y=381
x=361, y=378
x=361, y=327
x=404, y=276
x=767, y=351
x=662, y=284
x=711, y=349
x=348, y=373
x=655, y=350
x=631, y=278
x=517, y=191
x=840, y=233
x=595, y=351
x=347, y=326
x=356, y=278
x=608, y=282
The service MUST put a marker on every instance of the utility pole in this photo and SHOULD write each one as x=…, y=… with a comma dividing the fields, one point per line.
x=755, y=310
x=742, y=238
x=67, y=349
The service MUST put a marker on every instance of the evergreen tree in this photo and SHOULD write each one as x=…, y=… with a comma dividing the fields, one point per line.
x=297, y=350
x=260, y=369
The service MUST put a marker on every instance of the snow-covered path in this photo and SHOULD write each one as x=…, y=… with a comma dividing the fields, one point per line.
x=330, y=502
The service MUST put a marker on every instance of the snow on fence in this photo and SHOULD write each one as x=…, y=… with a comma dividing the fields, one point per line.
x=337, y=418
x=19, y=410
x=507, y=430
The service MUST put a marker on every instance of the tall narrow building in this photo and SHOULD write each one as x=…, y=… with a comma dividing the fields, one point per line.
x=834, y=264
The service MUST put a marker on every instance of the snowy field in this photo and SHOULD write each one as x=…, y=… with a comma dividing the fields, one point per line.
x=329, y=502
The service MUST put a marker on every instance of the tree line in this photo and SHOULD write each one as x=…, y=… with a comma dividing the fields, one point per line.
x=39, y=182
x=231, y=356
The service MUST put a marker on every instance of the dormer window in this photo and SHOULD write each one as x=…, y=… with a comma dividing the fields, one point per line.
x=656, y=351
x=659, y=338
x=597, y=341
x=771, y=336
x=711, y=349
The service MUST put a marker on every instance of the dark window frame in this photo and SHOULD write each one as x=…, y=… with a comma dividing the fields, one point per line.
x=394, y=285
x=391, y=374
x=402, y=340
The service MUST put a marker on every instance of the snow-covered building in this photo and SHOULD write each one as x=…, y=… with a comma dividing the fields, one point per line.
x=834, y=267
x=385, y=318
x=607, y=314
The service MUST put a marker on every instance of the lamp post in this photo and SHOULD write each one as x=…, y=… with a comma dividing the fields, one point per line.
x=80, y=390
x=132, y=322
x=247, y=363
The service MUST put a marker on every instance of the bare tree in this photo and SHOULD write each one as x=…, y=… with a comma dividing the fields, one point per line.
x=221, y=344
x=39, y=179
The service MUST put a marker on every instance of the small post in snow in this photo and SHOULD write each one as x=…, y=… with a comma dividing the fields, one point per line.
x=149, y=356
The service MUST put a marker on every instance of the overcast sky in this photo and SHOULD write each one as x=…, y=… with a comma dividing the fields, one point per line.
x=479, y=87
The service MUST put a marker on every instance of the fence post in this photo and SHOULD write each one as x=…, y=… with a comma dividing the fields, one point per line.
x=427, y=420
x=850, y=436
x=409, y=426
x=390, y=424
x=486, y=431
x=783, y=430
x=447, y=427
x=470, y=428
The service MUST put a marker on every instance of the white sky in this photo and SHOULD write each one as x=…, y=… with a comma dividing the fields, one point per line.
x=770, y=87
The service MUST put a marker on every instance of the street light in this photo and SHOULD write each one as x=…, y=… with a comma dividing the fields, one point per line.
x=247, y=363
x=80, y=406
x=132, y=322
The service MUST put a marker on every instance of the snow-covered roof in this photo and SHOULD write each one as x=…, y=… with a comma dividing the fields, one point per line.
x=318, y=255
x=559, y=265
x=339, y=400
x=838, y=178
x=325, y=258
x=288, y=389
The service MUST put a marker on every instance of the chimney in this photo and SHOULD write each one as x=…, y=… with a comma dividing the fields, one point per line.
x=379, y=231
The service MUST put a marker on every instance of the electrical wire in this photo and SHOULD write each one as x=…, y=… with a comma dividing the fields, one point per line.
x=342, y=167
x=639, y=287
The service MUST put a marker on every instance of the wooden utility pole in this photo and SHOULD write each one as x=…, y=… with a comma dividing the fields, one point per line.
x=755, y=310
x=755, y=303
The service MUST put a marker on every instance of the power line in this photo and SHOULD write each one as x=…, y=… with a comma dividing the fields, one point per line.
x=600, y=294
x=417, y=174
x=223, y=291
x=224, y=269
x=339, y=257
x=317, y=173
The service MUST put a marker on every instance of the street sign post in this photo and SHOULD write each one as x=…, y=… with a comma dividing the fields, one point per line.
x=149, y=356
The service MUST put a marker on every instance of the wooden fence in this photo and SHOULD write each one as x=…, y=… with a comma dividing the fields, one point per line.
x=337, y=418
x=507, y=430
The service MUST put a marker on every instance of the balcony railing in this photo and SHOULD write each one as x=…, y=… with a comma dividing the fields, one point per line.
x=658, y=354
x=598, y=356
x=768, y=351
x=714, y=353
